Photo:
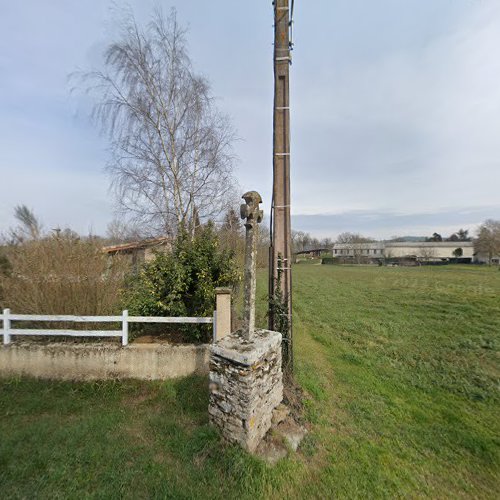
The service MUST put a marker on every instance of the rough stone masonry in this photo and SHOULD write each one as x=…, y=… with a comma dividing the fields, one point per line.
x=246, y=382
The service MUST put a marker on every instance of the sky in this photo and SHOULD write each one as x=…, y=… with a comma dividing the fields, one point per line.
x=395, y=109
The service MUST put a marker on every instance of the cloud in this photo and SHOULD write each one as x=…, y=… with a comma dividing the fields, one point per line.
x=409, y=129
x=55, y=166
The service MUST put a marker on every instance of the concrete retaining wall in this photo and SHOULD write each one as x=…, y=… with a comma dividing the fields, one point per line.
x=103, y=361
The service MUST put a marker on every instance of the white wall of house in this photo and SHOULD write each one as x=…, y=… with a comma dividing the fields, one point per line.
x=375, y=249
x=429, y=250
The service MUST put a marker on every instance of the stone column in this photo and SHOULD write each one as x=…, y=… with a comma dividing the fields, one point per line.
x=245, y=386
x=253, y=215
x=246, y=382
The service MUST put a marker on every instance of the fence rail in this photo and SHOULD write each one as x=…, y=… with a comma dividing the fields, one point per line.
x=7, y=317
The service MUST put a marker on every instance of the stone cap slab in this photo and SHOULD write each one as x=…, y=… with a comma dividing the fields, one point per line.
x=247, y=352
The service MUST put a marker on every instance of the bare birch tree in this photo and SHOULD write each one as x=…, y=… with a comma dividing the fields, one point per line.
x=171, y=149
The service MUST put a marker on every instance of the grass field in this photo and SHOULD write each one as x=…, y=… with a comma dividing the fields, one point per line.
x=401, y=367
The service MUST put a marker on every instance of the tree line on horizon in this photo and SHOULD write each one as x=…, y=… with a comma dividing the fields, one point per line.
x=30, y=227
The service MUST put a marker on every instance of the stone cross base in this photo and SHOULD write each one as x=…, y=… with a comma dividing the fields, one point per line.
x=245, y=386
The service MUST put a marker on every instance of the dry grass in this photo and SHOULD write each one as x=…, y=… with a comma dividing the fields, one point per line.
x=62, y=276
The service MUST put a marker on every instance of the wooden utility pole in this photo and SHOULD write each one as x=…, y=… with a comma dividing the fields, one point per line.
x=280, y=255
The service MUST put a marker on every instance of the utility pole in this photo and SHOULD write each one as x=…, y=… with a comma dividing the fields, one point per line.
x=280, y=254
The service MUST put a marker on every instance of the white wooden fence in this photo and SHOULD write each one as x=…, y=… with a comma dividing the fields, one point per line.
x=124, y=319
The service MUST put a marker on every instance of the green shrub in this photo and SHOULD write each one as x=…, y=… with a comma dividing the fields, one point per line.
x=329, y=260
x=183, y=282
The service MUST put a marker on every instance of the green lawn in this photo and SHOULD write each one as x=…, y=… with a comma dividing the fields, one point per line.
x=401, y=367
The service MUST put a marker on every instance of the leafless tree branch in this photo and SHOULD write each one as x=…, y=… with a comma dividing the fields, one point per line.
x=171, y=149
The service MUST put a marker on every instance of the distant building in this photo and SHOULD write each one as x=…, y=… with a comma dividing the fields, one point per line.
x=418, y=251
x=314, y=253
x=140, y=251
x=357, y=250
x=484, y=258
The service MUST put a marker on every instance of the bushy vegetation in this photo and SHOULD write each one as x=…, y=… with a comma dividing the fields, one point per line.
x=68, y=274
x=60, y=275
x=328, y=260
x=5, y=269
x=183, y=282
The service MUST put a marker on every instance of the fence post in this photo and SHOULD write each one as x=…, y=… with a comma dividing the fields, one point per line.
x=6, y=326
x=214, y=326
x=125, y=328
x=223, y=309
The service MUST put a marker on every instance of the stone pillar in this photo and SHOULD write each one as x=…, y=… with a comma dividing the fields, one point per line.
x=223, y=309
x=246, y=382
x=253, y=215
x=245, y=386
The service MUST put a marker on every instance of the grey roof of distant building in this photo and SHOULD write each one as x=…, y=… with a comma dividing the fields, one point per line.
x=406, y=244
x=420, y=244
